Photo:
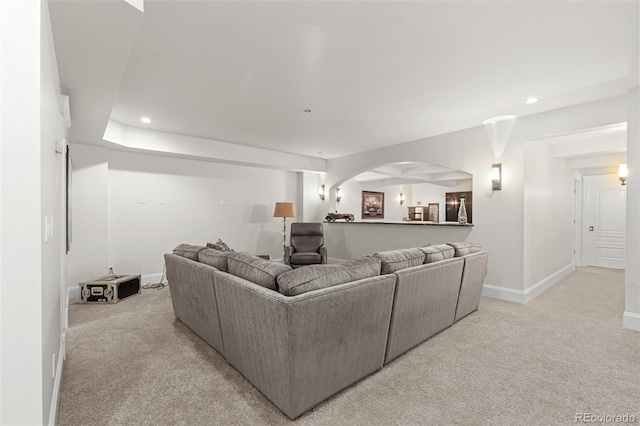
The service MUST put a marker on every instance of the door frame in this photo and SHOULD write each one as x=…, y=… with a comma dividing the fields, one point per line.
x=578, y=220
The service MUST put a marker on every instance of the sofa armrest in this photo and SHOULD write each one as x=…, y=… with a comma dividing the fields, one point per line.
x=323, y=254
x=475, y=269
x=300, y=350
x=288, y=251
x=191, y=285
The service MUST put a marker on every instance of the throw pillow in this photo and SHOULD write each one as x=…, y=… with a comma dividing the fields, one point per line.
x=255, y=269
x=464, y=248
x=437, y=252
x=396, y=260
x=219, y=245
x=215, y=258
x=315, y=277
x=187, y=250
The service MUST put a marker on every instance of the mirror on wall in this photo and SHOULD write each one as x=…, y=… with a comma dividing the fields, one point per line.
x=413, y=191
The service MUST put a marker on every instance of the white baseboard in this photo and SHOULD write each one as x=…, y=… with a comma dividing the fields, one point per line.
x=55, y=398
x=503, y=293
x=631, y=321
x=525, y=296
x=547, y=282
x=74, y=292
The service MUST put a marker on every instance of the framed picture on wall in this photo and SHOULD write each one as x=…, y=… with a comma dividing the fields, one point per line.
x=372, y=205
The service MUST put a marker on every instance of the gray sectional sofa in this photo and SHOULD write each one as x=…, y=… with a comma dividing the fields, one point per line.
x=302, y=335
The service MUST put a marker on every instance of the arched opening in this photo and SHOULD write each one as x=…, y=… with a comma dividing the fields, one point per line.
x=405, y=191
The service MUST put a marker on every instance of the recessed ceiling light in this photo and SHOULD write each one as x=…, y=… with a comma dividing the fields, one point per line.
x=532, y=100
x=145, y=120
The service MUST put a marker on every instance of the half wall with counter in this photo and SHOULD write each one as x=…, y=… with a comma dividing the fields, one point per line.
x=356, y=239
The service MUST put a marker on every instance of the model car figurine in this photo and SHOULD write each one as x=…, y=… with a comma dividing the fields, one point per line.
x=348, y=217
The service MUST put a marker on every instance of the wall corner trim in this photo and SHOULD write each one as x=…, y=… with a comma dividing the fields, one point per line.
x=523, y=297
x=55, y=397
x=631, y=321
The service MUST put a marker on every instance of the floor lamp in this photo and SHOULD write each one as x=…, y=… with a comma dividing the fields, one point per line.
x=284, y=210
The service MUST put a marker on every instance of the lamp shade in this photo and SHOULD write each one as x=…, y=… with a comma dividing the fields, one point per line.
x=284, y=210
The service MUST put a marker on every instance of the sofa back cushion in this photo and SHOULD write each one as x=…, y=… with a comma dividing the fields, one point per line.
x=314, y=277
x=252, y=268
x=464, y=248
x=189, y=251
x=306, y=236
x=215, y=258
x=396, y=260
x=437, y=252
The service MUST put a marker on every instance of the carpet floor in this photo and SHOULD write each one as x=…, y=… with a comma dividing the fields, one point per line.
x=542, y=363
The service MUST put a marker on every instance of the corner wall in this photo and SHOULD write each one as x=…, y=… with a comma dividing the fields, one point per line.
x=30, y=179
x=131, y=208
x=548, y=216
x=499, y=216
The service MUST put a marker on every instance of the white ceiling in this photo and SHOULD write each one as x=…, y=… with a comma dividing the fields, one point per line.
x=373, y=74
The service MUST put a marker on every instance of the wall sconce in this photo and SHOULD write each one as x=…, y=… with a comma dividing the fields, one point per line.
x=321, y=192
x=401, y=198
x=338, y=196
x=622, y=173
x=496, y=177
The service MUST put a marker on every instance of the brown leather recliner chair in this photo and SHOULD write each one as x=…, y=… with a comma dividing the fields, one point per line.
x=307, y=245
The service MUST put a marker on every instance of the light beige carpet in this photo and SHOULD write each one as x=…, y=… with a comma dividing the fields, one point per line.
x=507, y=364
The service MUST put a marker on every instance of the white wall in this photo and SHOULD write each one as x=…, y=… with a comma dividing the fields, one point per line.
x=467, y=150
x=430, y=193
x=130, y=208
x=548, y=213
x=52, y=133
x=351, y=192
x=88, y=256
x=310, y=202
x=632, y=277
x=30, y=168
x=498, y=215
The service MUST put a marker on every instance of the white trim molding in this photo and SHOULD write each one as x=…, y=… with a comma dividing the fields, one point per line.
x=631, y=321
x=55, y=397
x=526, y=296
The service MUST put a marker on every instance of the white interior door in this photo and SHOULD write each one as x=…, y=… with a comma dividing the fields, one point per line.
x=605, y=201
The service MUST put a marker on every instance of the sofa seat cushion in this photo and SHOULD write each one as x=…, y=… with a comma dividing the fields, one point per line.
x=437, y=252
x=396, y=260
x=257, y=270
x=189, y=251
x=314, y=277
x=305, y=258
x=215, y=258
x=464, y=248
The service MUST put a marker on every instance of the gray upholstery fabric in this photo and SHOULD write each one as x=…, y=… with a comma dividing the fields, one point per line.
x=396, y=260
x=215, y=258
x=191, y=285
x=255, y=269
x=424, y=304
x=475, y=269
x=437, y=252
x=219, y=245
x=315, y=277
x=306, y=237
x=300, y=350
x=187, y=250
x=464, y=248
x=307, y=245
x=306, y=258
